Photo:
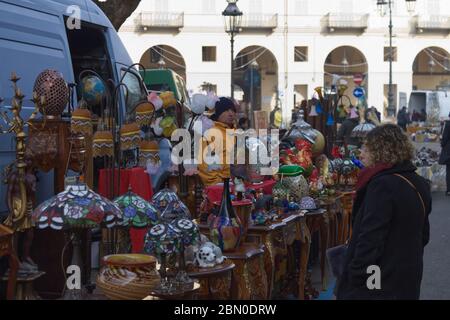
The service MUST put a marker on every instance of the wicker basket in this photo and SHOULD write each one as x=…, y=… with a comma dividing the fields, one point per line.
x=128, y=276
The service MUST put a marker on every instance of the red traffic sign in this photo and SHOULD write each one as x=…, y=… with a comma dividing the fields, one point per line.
x=358, y=79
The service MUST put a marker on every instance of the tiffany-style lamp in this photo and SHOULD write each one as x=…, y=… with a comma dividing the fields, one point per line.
x=74, y=209
x=188, y=233
x=170, y=205
x=137, y=213
x=162, y=240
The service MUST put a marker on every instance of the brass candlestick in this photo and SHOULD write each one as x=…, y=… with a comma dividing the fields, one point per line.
x=19, y=202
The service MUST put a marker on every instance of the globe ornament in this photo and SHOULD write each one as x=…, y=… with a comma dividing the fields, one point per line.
x=93, y=90
x=51, y=86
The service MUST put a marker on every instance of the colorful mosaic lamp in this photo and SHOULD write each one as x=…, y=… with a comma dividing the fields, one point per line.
x=137, y=212
x=170, y=205
x=162, y=240
x=189, y=234
x=74, y=209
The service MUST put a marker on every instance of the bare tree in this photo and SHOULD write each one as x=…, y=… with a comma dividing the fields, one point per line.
x=118, y=10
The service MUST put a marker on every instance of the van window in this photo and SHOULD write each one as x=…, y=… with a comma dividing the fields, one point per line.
x=89, y=51
x=136, y=90
x=182, y=89
x=158, y=87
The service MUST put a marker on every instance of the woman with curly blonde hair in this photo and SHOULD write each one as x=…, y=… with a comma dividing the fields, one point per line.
x=390, y=222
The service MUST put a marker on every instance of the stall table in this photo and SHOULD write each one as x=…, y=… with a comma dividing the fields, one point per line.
x=25, y=289
x=318, y=221
x=177, y=294
x=333, y=205
x=249, y=281
x=215, y=282
x=275, y=260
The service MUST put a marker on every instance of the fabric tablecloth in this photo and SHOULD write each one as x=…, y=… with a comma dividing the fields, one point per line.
x=214, y=193
x=140, y=183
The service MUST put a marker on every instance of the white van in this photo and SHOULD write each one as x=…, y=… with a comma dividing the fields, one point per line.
x=35, y=35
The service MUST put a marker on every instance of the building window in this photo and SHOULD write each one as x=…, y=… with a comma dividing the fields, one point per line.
x=208, y=87
x=301, y=54
x=386, y=53
x=209, y=54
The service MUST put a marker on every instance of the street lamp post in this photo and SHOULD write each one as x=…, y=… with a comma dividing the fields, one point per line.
x=233, y=17
x=410, y=4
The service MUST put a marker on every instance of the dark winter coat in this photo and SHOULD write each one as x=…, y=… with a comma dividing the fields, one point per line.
x=444, y=158
x=390, y=231
x=345, y=131
x=402, y=118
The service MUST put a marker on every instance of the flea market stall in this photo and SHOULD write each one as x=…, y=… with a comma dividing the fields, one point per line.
x=141, y=227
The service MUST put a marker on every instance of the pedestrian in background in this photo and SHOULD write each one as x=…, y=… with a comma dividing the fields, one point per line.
x=402, y=118
x=344, y=134
x=243, y=123
x=390, y=221
x=377, y=113
x=444, y=158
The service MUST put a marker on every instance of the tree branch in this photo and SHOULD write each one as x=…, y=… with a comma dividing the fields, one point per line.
x=118, y=11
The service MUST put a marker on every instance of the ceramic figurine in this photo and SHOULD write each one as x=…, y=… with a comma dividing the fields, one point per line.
x=208, y=255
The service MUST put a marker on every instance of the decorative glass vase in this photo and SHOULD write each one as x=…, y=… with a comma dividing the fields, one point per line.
x=226, y=228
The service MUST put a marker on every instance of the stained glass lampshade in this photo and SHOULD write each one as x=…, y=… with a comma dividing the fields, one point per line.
x=175, y=210
x=187, y=230
x=137, y=211
x=162, y=198
x=161, y=240
x=362, y=129
x=188, y=234
x=170, y=205
x=77, y=207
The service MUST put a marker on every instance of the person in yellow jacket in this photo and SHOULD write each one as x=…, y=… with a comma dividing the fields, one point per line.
x=216, y=146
